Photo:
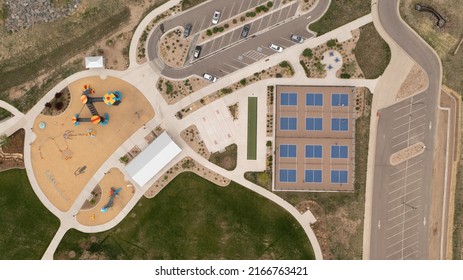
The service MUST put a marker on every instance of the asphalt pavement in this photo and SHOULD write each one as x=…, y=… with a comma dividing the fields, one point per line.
x=401, y=194
x=229, y=53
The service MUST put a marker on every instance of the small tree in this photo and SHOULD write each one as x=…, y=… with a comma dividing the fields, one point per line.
x=209, y=32
x=331, y=43
x=307, y=53
x=58, y=95
x=269, y=4
x=59, y=105
x=48, y=105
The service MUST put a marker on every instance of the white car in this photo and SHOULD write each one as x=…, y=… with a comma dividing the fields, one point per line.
x=276, y=47
x=210, y=77
x=216, y=17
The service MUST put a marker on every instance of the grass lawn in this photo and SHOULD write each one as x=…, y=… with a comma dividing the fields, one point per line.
x=336, y=211
x=339, y=13
x=27, y=227
x=372, y=52
x=252, y=128
x=226, y=159
x=195, y=219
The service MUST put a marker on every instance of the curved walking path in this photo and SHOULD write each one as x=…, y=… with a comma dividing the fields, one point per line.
x=144, y=79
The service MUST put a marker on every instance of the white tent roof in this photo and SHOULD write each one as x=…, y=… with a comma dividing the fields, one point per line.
x=154, y=158
x=94, y=62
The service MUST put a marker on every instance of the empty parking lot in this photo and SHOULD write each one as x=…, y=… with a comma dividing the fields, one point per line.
x=399, y=218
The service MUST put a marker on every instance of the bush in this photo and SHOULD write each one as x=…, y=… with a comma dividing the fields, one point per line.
x=284, y=64
x=226, y=90
x=169, y=88
x=242, y=19
x=209, y=32
x=221, y=29
x=307, y=53
x=269, y=4
x=226, y=25
x=258, y=9
x=215, y=29
x=269, y=143
x=234, y=21
x=48, y=105
x=59, y=105
x=345, y=76
x=58, y=95
x=331, y=43
x=278, y=75
x=243, y=82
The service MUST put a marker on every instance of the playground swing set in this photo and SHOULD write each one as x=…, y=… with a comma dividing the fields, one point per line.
x=110, y=98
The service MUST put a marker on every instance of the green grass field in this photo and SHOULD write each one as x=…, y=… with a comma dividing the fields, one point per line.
x=372, y=52
x=252, y=128
x=339, y=13
x=195, y=219
x=27, y=227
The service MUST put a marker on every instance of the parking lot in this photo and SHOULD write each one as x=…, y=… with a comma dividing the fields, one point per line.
x=228, y=53
x=234, y=36
x=399, y=229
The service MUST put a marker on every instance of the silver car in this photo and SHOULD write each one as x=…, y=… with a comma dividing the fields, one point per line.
x=209, y=77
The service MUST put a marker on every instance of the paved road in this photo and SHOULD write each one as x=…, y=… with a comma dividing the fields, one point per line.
x=401, y=194
x=239, y=53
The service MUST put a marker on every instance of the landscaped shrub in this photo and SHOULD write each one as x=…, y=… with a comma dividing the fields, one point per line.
x=234, y=21
x=59, y=105
x=284, y=64
x=331, y=43
x=307, y=53
x=209, y=32
x=215, y=29
x=269, y=4
x=221, y=29
x=243, y=82
x=345, y=76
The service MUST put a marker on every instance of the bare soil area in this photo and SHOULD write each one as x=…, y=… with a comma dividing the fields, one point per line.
x=415, y=82
x=11, y=155
x=173, y=48
x=407, y=153
x=173, y=90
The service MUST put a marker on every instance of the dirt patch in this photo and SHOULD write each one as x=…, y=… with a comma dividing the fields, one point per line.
x=58, y=104
x=415, y=82
x=192, y=137
x=173, y=48
x=11, y=155
x=186, y=164
x=407, y=153
x=306, y=5
x=93, y=199
x=226, y=159
x=174, y=90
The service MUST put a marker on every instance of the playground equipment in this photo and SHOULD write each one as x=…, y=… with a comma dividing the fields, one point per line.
x=68, y=134
x=112, y=195
x=110, y=98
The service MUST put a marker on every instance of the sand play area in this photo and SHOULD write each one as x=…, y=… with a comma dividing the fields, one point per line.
x=112, y=179
x=65, y=156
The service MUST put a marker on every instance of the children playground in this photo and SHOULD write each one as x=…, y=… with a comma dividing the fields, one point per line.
x=107, y=199
x=71, y=147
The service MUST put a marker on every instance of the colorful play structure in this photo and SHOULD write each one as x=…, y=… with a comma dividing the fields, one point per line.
x=110, y=98
x=112, y=195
